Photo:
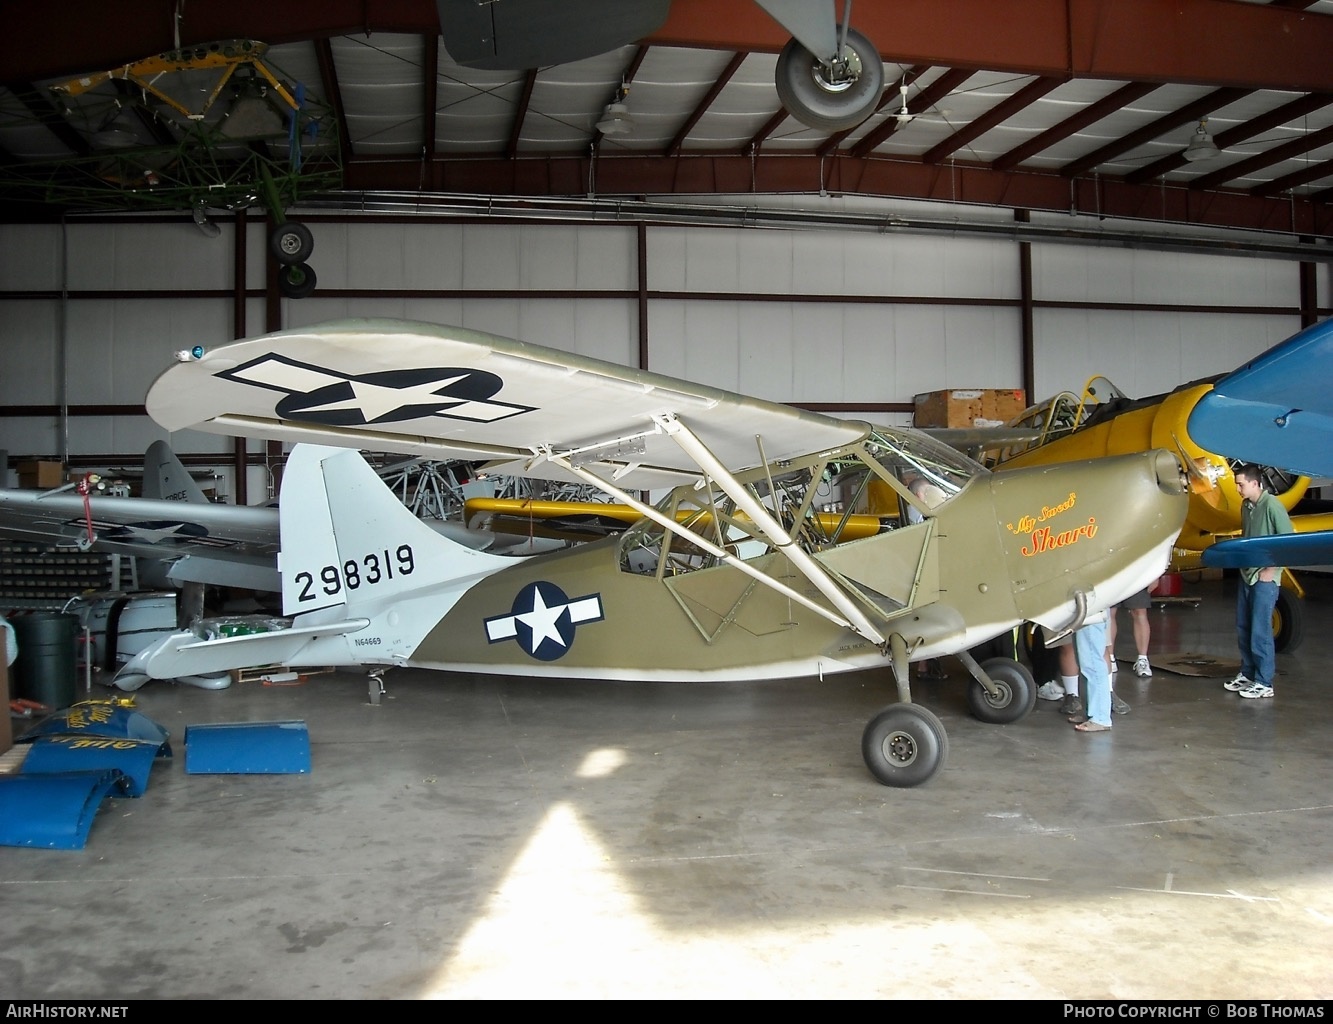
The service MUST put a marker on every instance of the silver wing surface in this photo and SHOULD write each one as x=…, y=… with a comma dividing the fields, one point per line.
x=223, y=544
x=452, y=393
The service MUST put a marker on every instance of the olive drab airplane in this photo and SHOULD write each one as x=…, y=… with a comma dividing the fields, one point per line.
x=739, y=571
x=1276, y=410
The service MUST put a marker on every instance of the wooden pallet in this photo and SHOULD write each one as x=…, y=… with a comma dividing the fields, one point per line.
x=266, y=673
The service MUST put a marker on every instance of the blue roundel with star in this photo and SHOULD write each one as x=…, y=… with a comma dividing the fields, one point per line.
x=542, y=620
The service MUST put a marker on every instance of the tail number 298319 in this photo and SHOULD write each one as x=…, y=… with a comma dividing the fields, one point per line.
x=353, y=574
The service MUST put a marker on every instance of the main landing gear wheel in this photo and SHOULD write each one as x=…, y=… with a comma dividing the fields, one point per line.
x=904, y=745
x=831, y=99
x=296, y=281
x=1288, y=621
x=290, y=242
x=1016, y=697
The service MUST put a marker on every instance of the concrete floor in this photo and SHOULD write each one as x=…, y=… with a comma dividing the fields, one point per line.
x=508, y=838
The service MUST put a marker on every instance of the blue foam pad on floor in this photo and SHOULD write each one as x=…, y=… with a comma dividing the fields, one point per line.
x=52, y=810
x=247, y=748
x=133, y=758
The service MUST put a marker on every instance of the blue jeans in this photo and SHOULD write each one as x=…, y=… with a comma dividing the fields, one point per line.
x=1090, y=642
x=1254, y=630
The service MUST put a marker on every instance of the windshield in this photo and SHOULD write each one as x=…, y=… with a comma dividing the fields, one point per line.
x=911, y=453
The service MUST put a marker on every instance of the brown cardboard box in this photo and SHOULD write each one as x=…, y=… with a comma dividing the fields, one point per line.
x=41, y=475
x=968, y=407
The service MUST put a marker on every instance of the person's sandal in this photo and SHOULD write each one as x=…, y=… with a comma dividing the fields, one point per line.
x=1092, y=727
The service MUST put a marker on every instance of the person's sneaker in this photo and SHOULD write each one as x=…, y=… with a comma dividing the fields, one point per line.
x=1256, y=690
x=1050, y=690
x=1141, y=667
x=1118, y=705
x=1239, y=683
x=1071, y=705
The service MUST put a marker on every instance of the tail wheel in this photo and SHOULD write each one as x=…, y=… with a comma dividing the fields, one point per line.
x=1288, y=621
x=1016, y=692
x=904, y=745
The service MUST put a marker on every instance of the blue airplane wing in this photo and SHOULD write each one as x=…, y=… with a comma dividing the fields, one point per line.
x=1276, y=410
x=1284, y=549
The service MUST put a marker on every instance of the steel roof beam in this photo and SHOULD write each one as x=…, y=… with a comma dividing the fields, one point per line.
x=739, y=174
x=1204, y=42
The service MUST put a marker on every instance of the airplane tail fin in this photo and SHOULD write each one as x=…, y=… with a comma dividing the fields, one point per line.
x=165, y=478
x=350, y=547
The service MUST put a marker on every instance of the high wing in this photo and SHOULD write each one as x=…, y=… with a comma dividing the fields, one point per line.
x=450, y=393
x=1276, y=410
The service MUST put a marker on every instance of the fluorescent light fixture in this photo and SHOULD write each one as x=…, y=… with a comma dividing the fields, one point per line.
x=1202, y=146
x=616, y=119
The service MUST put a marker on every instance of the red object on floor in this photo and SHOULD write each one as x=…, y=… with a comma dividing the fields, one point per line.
x=1167, y=586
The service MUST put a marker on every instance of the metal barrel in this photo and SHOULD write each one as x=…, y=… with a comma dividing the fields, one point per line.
x=45, y=669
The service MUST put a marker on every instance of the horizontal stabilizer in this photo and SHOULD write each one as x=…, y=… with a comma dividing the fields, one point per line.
x=185, y=654
x=1283, y=549
x=1276, y=410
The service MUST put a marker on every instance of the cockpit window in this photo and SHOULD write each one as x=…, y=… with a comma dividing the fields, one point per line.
x=823, y=500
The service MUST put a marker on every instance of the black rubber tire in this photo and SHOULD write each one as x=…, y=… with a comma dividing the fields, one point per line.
x=904, y=745
x=1288, y=622
x=805, y=91
x=1018, y=692
x=296, y=281
x=290, y=243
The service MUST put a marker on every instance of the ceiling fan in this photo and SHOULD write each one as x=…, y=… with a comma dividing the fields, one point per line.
x=906, y=116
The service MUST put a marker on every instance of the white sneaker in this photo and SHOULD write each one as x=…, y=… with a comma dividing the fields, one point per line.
x=1050, y=690
x=1241, y=682
x=1257, y=690
x=1141, y=667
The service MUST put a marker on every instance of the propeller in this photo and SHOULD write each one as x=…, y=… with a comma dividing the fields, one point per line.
x=1203, y=475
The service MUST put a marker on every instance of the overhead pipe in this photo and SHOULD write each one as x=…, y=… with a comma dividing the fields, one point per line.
x=684, y=214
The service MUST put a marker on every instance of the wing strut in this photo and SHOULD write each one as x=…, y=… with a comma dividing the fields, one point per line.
x=667, y=523
x=762, y=518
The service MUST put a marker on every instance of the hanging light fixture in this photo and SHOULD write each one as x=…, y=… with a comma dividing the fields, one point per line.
x=1202, y=146
x=616, y=119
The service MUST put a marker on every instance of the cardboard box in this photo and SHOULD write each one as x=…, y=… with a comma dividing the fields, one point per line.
x=41, y=475
x=968, y=407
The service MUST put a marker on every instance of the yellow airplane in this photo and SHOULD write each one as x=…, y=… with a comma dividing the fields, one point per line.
x=1103, y=421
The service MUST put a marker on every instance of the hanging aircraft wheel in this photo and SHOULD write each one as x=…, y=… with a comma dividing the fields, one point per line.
x=1016, y=697
x=821, y=100
x=904, y=745
x=296, y=281
x=1288, y=621
x=290, y=243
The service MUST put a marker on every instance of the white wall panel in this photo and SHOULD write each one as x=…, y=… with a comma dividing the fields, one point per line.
x=1146, y=352
x=30, y=257
x=803, y=352
x=136, y=256
x=766, y=262
x=28, y=332
x=829, y=263
x=1086, y=274
x=767, y=352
